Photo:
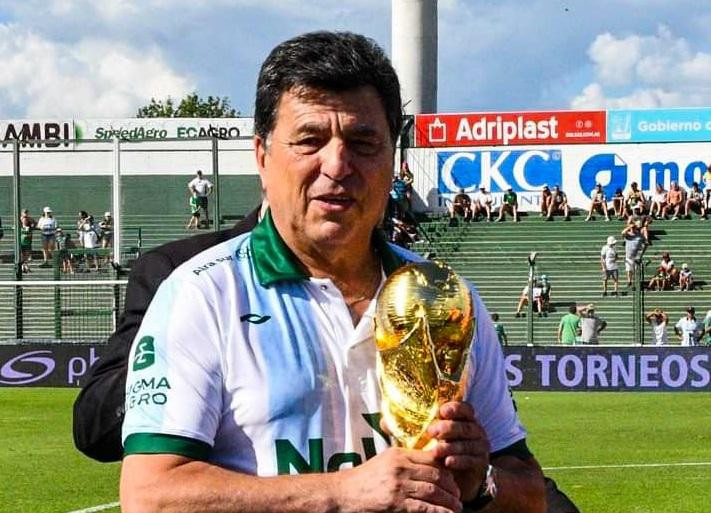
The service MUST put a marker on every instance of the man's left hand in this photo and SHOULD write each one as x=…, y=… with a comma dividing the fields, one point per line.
x=462, y=446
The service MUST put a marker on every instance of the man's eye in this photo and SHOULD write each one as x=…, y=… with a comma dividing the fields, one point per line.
x=365, y=146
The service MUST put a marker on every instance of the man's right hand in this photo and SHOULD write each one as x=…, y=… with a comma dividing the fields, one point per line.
x=400, y=480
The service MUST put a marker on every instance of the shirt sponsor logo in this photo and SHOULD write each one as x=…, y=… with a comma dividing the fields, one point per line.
x=255, y=318
x=145, y=354
x=10, y=375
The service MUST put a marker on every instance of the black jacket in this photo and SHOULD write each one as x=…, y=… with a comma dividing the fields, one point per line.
x=99, y=408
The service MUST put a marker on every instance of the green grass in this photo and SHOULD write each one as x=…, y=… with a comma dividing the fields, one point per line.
x=40, y=471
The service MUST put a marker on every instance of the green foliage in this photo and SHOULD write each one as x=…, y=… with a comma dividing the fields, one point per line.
x=192, y=106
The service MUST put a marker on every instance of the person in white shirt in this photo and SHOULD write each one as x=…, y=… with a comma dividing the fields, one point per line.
x=481, y=203
x=598, y=202
x=658, y=320
x=608, y=263
x=706, y=178
x=686, y=278
x=659, y=202
x=537, y=295
x=688, y=329
x=200, y=188
x=48, y=226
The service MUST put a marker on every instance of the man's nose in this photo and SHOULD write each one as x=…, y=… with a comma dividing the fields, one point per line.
x=336, y=160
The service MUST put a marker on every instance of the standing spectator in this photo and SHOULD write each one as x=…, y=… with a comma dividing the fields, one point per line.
x=658, y=320
x=461, y=206
x=559, y=203
x=591, y=325
x=398, y=199
x=675, y=198
x=634, y=247
x=200, y=188
x=695, y=201
x=509, y=203
x=500, y=331
x=598, y=202
x=608, y=263
x=90, y=239
x=63, y=246
x=635, y=202
x=545, y=294
x=27, y=224
x=659, y=203
x=688, y=329
x=618, y=204
x=706, y=338
x=106, y=230
x=408, y=178
x=47, y=225
x=569, y=327
x=82, y=216
x=545, y=200
x=686, y=278
x=706, y=178
x=482, y=203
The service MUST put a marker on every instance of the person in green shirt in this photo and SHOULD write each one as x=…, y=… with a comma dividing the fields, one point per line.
x=509, y=203
x=569, y=327
x=500, y=331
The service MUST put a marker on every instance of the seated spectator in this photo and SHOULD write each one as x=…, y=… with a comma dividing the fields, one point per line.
x=482, y=203
x=618, y=204
x=500, y=331
x=635, y=202
x=461, y=206
x=559, y=203
x=598, y=203
x=667, y=266
x=658, y=319
x=695, y=201
x=659, y=281
x=659, y=203
x=675, y=198
x=537, y=299
x=590, y=325
x=402, y=233
x=706, y=178
x=686, y=278
x=545, y=200
x=509, y=203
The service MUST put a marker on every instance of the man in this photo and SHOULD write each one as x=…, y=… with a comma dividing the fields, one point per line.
x=482, y=203
x=675, y=198
x=706, y=178
x=461, y=206
x=569, y=327
x=635, y=202
x=509, y=203
x=591, y=325
x=324, y=147
x=200, y=188
x=688, y=329
x=634, y=247
x=658, y=320
x=536, y=294
x=598, y=202
x=545, y=200
x=659, y=202
x=695, y=201
x=608, y=263
x=500, y=330
x=558, y=203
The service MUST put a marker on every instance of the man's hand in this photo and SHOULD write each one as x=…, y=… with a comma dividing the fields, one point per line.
x=462, y=447
x=400, y=480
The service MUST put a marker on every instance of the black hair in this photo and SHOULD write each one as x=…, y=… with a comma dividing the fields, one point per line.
x=572, y=308
x=494, y=317
x=329, y=61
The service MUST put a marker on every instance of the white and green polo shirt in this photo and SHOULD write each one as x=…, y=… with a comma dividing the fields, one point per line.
x=244, y=361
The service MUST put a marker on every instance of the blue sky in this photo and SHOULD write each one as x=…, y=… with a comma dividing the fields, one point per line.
x=82, y=58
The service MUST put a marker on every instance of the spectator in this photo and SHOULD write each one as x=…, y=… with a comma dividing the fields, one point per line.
x=569, y=327
x=635, y=202
x=106, y=226
x=27, y=224
x=509, y=203
x=706, y=338
x=634, y=248
x=706, y=178
x=482, y=203
x=545, y=294
x=402, y=233
x=658, y=206
x=695, y=201
x=64, y=244
x=675, y=198
x=398, y=199
x=407, y=177
x=642, y=222
x=659, y=281
x=598, y=202
x=47, y=225
x=618, y=204
x=658, y=320
x=591, y=325
x=686, y=278
x=667, y=266
x=82, y=216
x=608, y=263
x=200, y=188
x=90, y=238
x=559, y=203
x=537, y=300
x=500, y=331
x=545, y=200
x=688, y=329
x=461, y=206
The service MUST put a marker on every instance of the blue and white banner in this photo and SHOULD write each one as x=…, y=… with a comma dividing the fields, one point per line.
x=659, y=125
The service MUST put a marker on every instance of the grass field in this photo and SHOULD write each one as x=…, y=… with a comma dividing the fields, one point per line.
x=631, y=443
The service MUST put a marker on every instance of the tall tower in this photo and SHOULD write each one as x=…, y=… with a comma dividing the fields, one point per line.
x=414, y=47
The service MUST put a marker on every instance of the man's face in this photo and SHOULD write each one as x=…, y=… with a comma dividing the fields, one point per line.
x=326, y=167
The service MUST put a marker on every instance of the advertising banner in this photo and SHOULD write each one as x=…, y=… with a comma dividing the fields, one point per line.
x=163, y=128
x=26, y=130
x=609, y=369
x=47, y=365
x=659, y=125
x=509, y=128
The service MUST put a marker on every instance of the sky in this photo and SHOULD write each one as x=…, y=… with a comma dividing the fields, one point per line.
x=102, y=59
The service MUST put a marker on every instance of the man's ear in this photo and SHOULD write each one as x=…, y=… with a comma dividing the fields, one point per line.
x=260, y=152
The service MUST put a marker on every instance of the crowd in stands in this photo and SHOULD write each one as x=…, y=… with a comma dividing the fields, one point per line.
x=90, y=237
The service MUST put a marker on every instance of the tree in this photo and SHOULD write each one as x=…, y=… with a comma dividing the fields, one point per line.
x=192, y=106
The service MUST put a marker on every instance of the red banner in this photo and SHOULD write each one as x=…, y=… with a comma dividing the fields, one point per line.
x=510, y=128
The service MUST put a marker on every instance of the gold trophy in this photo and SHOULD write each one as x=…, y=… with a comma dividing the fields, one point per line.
x=424, y=324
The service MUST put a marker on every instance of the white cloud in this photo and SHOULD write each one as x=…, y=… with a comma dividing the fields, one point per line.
x=639, y=71
x=92, y=78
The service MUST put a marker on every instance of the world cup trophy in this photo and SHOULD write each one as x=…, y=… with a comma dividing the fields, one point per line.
x=424, y=324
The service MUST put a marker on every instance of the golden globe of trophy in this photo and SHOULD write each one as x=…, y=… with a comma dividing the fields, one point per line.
x=424, y=323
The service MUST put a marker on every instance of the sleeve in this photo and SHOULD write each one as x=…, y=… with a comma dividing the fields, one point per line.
x=174, y=382
x=488, y=391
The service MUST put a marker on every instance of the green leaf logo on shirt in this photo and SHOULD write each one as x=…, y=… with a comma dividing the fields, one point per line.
x=145, y=354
